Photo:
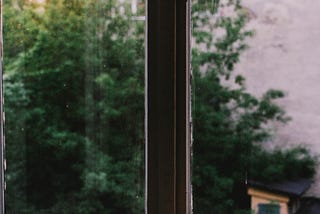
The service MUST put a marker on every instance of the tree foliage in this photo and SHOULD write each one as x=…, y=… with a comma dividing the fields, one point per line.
x=74, y=88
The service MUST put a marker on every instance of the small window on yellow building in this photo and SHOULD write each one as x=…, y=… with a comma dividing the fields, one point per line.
x=268, y=209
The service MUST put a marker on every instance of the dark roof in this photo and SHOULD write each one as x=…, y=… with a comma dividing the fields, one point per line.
x=309, y=206
x=291, y=188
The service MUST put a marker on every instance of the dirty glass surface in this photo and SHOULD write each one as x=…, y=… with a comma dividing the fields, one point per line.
x=254, y=102
x=74, y=104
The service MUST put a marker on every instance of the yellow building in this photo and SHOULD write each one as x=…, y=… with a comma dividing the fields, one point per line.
x=277, y=198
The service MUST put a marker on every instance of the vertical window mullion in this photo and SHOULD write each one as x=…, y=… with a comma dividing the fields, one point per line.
x=168, y=133
x=183, y=132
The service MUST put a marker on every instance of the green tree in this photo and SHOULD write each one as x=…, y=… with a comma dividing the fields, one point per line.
x=80, y=71
x=15, y=108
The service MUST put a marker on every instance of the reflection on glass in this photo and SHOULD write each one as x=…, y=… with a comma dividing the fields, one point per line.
x=74, y=92
x=242, y=162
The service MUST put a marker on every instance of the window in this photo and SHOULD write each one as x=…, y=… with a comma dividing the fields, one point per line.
x=268, y=209
x=168, y=117
x=74, y=91
x=252, y=105
x=79, y=149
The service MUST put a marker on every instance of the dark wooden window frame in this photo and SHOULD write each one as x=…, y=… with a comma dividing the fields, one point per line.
x=168, y=123
x=168, y=118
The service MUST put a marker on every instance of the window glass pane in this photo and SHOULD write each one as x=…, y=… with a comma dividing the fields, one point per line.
x=269, y=209
x=74, y=104
x=255, y=85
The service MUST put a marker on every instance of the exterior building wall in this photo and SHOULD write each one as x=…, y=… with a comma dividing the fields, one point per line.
x=263, y=197
x=284, y=54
